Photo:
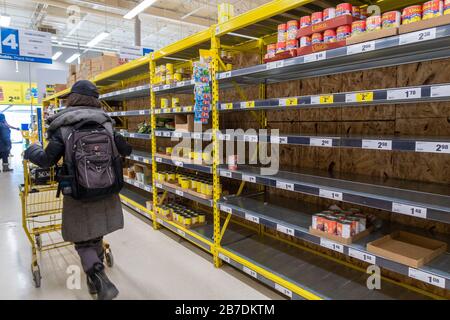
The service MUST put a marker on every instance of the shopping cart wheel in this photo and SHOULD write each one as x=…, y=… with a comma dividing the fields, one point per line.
x=38, y=242
x=109, y=258
x=36, y=276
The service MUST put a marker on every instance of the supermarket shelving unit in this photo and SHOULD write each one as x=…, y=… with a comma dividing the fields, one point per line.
x=252, y=242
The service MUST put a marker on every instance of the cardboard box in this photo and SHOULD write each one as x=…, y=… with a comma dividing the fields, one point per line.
x=425, y=24
x=407, y=248
x=339, y=239
x=184, y=122
x=143, y=173
x=72, y=69
x=372, y=35
x=104, y=63
x=149, y=205
x=60, y=87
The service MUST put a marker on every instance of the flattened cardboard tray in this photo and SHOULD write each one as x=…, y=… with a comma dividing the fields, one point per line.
x=407, y=248
x=335, y=238
x=372, y=35
x=425, y=24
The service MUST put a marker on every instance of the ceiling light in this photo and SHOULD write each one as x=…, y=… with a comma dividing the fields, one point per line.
x=242, y=36
x=99, y=38
x=139, y=8
x=5, y=21
x=57, y=55
x=73, y=58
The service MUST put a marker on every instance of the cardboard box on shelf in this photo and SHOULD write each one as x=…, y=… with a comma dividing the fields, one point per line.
x=60, y=87
x=143, y=173
x=425, y=24
x=104, y=63
x=72, y=69
x=372, y=35
x=184, y=122
x=407, y=248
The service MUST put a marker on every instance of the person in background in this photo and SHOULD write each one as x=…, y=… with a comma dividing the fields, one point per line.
x=85, y=222
x=5, y=142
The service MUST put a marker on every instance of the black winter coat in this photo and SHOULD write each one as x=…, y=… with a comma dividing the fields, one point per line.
x=5, y=138
x=81, y=220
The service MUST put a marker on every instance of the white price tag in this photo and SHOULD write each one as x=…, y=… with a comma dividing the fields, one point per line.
x=225, y=75
x=377, y=144
x=167, y=86
x=158, y=133
x=136, y=184
x=159, y=185
x=251, y=138
x=286, y=230
x=224, y=137
x=226, y=209
x=167, y=134
x=179, y=193
x=224, y=258
x=181, y=233
x=331, y=245
x=361, y=47
x=427, y=277
x=285, y=185
x=178, y=163
x=278, y=140
x=333, y=195
x=250, y=272
x=433, y=147
x=142, y=112
x=315, y=57
x=321, y=142
x=251, y=218
x=441, y=91
x=362, y=256
x=226, y=174
x=409, y=210
x=422, y=35
x=402, y=94
x=148, y=188
x=283, y=290
x=315, y=99
x=177, y=134
x=159, y=220
x=275, y=65
x=155, y=89
x=132, y=135
x=197, y=136
x=248, y=178
x=157, y=159
x=180, y=83
x=123, y=113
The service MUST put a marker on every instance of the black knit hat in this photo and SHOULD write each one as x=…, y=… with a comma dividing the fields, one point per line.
x=83, y=87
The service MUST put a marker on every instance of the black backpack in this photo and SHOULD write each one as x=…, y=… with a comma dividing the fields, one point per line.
x=92, y=165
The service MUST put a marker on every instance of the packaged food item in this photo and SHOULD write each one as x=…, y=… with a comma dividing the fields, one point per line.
x=373, y=23
x=305, y=21
x=446, y=6
x=164, y=103
x=329, y=13
x=431, y=9
x=318, y=221
x=356, y=12
x=232, y=162
x=412, y=14
x=391, y=19
x=305, y=42
x=175, y=102
x=344, y=9
x=343, y=229
x=358, y=27
x=291, y=44
x=281, y=47
x=329, y=36
x=317, y=38
x=169, y=150
x=330, y=225
x=292, y=28
x=363, y=13
x=272, y=50
x=282, y=28
x=317, y=17
x=343, y=32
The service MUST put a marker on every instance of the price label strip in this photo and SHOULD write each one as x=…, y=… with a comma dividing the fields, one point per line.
x=427, y=277
x=419, y=36
x=315, y=57
x=377, y=144
x=250, y=272
x=226, y=174
x=360, y=97
x=440, y=91
x=433, y=147
x=288, y=102
x=409, y=210
x=252, y=218
x=278, y=140
x=247, y=104
x=331, y=245
x=404, y=94
x=285, y=185
x=275, y=65
x=319, y=142
x=285, y=230
x=333, y=195
x=247, y=178
x=362, y=256
x=283, y=290
x=226, y=106
x=224, y=258
x=226, y=209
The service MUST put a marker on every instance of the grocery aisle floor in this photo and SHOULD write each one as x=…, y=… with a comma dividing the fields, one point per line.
x=148, y=264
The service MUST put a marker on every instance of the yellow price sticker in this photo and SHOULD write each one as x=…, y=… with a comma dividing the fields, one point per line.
x=178, y=109
x=248, y=104
x=287, y=102
x=158, y=111
x=364, y=97
x=228, y=106
x=166, y=110
x=326, y=99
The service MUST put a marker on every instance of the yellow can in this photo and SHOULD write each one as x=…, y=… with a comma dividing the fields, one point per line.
x=175, y=102
x=201, y=218
x=206, y=156
x=164, y=212
x=169, y=68
x=174, y=216
x=192, y=155
x=209, y=190
x=178, y=77
x=199, y=186
x=194, y=218
x=194, y=184
x=164, y=103
x=185, y=183
x=188, y=220
x=169, y=150
x=181, y=218
x=170, y=176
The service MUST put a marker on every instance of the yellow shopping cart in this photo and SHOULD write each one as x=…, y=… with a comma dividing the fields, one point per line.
x=42, y=215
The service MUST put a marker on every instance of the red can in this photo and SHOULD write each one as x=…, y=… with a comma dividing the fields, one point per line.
x=305, y=21
x=291, y=44
x=330, y=225
x=329, y=13
x=281, y=47
x=329, y=36
x=271, y=50
x=317, y=38
x=292, y=28
x=391, y=19
x=446, y=6
x=305, y=42
x=373, y=23
x=356, y=12
x=317, y=17
x=343, y=32
x=431, y=9
x=344, y=9
x=411, y=14
x=358, y=27
x=282, y=32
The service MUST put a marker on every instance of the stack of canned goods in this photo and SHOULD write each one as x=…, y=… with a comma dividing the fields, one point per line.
x=345, y=224
x=199, y=184
x=181, y=214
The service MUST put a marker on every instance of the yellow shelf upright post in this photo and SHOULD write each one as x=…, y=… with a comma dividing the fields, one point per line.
x=215, y=47
x=153, y=142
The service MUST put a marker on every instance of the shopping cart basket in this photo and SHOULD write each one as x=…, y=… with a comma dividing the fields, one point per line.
x=42, y=215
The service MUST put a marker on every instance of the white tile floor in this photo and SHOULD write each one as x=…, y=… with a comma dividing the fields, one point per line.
x=148, y=264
